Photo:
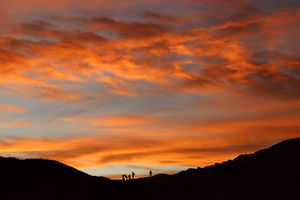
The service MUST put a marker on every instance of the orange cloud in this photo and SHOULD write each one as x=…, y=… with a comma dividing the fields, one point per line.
x=223, y=57
x=114, y=120
x=8, y=124
x=8, y=108
x=99, y=150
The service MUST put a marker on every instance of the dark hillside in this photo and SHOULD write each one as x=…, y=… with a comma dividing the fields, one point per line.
x=271, y=173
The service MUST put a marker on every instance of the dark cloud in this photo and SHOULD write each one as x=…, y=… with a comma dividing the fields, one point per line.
x=126, y=29
x=158, y=17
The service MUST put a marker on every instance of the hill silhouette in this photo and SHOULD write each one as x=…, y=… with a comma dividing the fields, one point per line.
x=271, y=173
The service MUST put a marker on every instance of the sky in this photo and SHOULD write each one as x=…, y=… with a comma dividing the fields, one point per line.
x=111, y=87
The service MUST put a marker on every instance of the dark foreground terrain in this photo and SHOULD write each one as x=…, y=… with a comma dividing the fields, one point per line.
x=273, y=173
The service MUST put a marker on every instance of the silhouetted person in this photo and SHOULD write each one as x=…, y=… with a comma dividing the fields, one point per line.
x=129, y=177
x=150, y=173
x=133, y=174
x=125, y=177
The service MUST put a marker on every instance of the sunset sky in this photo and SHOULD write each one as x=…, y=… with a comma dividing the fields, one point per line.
x=111, y=87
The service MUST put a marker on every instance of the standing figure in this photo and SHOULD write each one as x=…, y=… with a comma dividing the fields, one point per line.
x=123, y=177
x=133, y=174
x=129, y=177
x=150, y=173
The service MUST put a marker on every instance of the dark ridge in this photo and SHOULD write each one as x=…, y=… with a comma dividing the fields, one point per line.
x=272, y=173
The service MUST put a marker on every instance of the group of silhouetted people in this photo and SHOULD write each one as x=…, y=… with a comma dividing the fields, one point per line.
x=131, y=176
x=128, y=177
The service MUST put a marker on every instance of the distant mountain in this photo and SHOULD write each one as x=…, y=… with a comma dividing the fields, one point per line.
x=272, y=173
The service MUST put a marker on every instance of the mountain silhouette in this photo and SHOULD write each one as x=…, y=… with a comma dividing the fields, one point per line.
x=272, y=173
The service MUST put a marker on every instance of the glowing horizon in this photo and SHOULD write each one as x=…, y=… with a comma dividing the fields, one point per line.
x=163, y=85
